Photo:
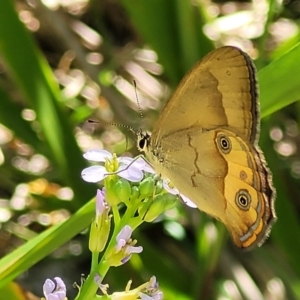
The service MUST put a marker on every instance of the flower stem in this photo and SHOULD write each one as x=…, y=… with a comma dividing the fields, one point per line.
x=89, y=287
x=116, y=215
x=94, y=264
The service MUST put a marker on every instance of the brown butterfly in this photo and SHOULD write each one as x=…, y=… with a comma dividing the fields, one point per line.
x=206, y=143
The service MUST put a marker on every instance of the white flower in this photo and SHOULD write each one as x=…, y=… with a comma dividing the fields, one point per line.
x=54, y=289
x=127, y=167
x=174, y=191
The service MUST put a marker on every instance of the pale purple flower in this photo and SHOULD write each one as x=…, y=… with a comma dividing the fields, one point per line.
x=129, y=168
x=174, y=191
x=157, y=296
x=123, y=236
x=152, y=292
x=54, y=289
x=102, y=287
x=125, y=243
x=124, y=248
x=146, y=291
x=101, y=204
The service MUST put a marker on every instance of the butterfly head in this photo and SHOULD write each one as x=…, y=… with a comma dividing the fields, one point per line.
x=143, y=140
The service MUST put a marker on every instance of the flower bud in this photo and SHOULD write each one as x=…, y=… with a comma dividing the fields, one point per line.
x=110, y=195
x=144, y=207
x=122, y=190
x=170, y=200
x=160, y=204
x=135, y=194
x=158, y=187
x=147, y=187
x=100, y=227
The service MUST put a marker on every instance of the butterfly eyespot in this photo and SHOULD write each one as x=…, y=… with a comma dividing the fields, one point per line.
x=243, y=199
x=224, y=144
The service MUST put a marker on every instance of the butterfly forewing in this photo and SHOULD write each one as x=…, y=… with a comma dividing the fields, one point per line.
x=215, y=93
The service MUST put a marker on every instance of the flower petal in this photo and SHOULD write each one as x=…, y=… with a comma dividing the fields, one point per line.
x=175, y=191
x=100, y=202
x=139, y=163
x=156, y=296
x=144, y=165
x=149, y=169
x=125, y=233
x=153, y=283
x=125, y=160
x=94, y=174
x=171, y=190
x=98, y=280
x=97, y=155
x=48, y=287
x=134, y=249
x=145, y=297
x=131, y=173
x=54, y=289
x=188, y=201
x=120, y=244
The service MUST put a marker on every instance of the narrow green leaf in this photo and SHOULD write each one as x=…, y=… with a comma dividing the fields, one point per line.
x=43, y=244
x=280, y=82
x=34, y=78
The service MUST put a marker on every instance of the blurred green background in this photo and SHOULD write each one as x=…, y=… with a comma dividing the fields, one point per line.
x=64, y=62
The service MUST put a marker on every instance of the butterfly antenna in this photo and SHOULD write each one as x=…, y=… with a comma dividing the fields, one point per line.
x=138, y=102
x=113, y=124
x=133, y=130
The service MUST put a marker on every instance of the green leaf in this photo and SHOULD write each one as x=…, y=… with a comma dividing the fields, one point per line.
x=34, y=79
x=280, y=82
x=20, y=260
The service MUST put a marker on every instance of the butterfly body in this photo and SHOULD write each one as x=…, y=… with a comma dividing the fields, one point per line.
x=205, y=143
